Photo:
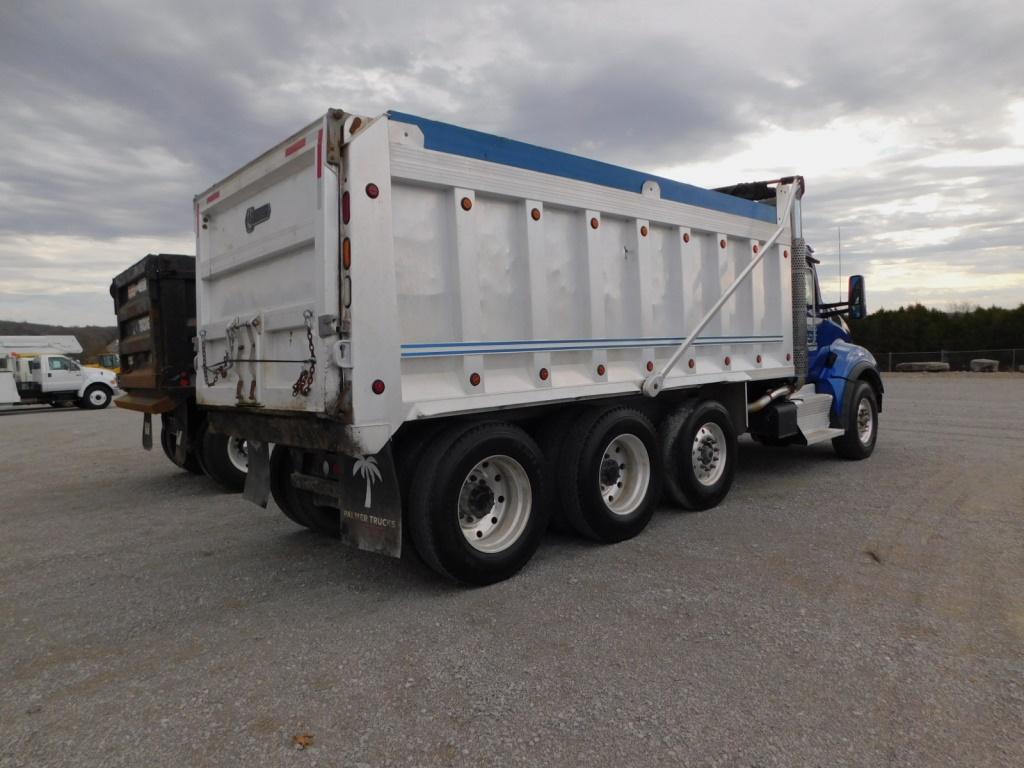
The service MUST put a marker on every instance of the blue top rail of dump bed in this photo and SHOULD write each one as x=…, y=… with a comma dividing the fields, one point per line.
x=444, y=137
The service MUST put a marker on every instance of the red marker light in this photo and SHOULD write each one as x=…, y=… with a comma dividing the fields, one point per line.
x=600, y=370
x=346, y=207
x=372, y=191
x=543, y=374
x=378, y=387
x=474, y=379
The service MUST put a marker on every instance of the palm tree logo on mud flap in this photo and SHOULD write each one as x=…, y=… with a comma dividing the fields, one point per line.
x=366, y=466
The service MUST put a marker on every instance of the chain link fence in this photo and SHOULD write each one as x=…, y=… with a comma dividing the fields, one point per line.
x=959, y=359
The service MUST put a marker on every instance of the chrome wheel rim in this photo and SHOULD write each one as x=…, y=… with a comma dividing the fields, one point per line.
x=625, y=474
x=97, y=397
x=865, y=421
x=494, y=504
x=238, y=453
x=708, y=454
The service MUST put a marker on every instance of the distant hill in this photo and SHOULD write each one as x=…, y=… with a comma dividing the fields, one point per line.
x=93, y=338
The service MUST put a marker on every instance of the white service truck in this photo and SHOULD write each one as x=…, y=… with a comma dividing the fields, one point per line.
x=459, y=337
x=39, y=369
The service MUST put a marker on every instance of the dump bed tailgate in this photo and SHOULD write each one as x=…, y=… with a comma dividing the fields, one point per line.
x=267, y=285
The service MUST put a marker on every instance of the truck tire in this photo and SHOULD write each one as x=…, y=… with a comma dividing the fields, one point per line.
x=298, y=506
x=96, y=397
x=478, y=507
x=698, y=449
x=610, y=474
x=861, y=423
x=168, y=442
x=550, y=437
x=220, y=458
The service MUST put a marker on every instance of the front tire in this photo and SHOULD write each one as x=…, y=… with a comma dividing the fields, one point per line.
x=698, y=448
x=861, y=424
x=96, y=397
x=610, y=474
x=478, y=506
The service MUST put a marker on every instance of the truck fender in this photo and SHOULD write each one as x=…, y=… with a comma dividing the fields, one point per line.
x=848, y=363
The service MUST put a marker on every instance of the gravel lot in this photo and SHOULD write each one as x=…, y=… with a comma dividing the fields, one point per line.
x=829, y=613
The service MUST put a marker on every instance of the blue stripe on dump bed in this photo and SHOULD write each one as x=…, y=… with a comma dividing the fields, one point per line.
x=443, y=137
x=454, y=348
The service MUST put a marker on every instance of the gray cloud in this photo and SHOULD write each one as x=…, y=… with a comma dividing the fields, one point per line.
x=116, y=113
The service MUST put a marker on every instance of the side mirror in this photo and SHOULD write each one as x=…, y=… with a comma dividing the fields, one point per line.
x=855, y=297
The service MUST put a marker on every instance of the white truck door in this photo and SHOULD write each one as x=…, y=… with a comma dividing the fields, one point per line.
x=60, y=374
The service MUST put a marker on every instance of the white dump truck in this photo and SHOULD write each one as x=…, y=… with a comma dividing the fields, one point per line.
x=453, y=339
x=39, y=369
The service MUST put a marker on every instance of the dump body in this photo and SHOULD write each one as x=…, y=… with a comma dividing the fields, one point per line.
x=479, y=274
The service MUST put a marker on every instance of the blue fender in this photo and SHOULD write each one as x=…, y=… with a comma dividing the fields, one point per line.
x=832, y=368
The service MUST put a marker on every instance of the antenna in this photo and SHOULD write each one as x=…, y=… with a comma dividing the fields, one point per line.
x=839, y=236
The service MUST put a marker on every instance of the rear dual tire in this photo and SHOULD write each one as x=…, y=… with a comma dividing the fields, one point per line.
x=478, y=504
x=296, y=504
x=609, y=474
x=698, y=448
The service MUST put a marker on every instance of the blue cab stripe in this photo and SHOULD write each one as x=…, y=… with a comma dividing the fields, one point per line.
x=444, y=137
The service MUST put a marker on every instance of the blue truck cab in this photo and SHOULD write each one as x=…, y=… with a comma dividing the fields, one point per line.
x=836, y=366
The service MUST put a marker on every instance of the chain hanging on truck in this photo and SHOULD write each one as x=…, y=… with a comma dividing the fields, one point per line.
x=305, y=381
x=220, y=370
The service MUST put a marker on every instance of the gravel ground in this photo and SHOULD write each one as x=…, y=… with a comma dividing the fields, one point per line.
x=828, y=613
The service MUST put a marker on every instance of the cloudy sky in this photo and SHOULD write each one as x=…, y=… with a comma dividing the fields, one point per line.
x=907, y=118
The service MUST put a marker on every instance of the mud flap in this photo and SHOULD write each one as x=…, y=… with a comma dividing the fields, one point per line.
x=257, y=479
x=371, y=503
x=147, y=431
x=181, y=447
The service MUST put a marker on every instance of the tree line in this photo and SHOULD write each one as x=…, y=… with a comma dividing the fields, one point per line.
x=921, y=329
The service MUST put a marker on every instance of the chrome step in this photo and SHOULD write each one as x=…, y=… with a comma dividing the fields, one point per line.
x=821, y=435
x=812, y=415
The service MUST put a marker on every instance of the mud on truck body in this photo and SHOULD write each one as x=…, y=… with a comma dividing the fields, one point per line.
x=453, y=339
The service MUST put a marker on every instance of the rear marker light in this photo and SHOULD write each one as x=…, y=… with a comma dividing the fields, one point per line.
x=594, y=223
x=758, y=359
x=466, y=205
x=600, y=370
x=543, y=374
x=728, y=360
x=372, y=191
x=756, y=248
x=650, y=365
x=535, y=214
x=474, y=379
x=643, y=231
x=722, y=243
x=686, y=237
x=346, y=253
x=346, y=207
x=785, y=254
x=788, y=357
x=692, y=363
x=378, y=387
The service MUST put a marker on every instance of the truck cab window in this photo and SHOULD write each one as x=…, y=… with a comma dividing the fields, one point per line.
x=57, y=364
